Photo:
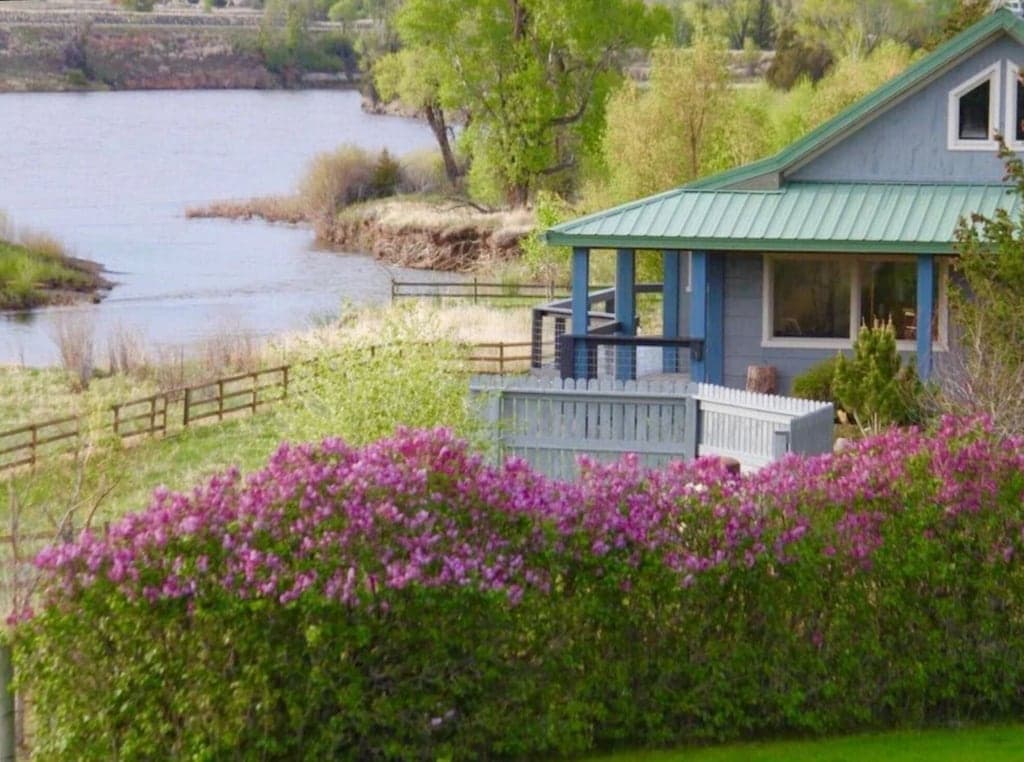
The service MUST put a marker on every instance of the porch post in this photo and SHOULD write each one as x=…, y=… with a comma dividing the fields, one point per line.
x=625, y=312
x=707, y=316
x=580, y=308
x=698, y=312
x=714, y=348
x=925, y=313
x=670, y=308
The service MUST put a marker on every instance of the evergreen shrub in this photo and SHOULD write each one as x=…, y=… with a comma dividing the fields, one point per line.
x=815, y=383
x=407, y=601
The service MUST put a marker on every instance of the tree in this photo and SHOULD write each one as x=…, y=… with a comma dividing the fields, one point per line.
x=986, y=373
x=659, y=137
x=964, y=14
x=856, y=27
x=530, y=75
x=407, y=76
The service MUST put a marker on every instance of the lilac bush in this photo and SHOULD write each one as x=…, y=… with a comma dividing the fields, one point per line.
x=406, y=600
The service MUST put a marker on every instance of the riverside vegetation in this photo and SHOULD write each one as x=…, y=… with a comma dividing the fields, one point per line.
x=36, y=271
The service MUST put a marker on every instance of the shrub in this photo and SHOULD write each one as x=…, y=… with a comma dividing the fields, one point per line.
x=335, y=180
x=404, y=600
x=796, y=58
x=874, y=385
x=422, y=172
x=815, y=383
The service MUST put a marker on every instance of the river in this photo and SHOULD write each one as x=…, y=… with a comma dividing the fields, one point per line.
x=110, y=176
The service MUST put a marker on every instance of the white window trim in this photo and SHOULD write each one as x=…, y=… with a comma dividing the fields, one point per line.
x=769, y=341
x=953, y=140
x=1010, y=128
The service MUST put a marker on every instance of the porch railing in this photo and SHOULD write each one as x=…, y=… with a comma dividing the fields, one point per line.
x=549, y=320
x=625, y=357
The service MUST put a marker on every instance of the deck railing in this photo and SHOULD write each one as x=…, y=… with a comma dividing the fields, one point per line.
x=549, y=321
x=625, y=357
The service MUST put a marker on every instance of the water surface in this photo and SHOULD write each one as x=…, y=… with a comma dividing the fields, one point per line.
x=110, y=175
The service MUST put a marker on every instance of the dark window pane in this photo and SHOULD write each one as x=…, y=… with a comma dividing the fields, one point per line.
x=888, y=291
x=1020, y=110
x=974, y=113
x=812, y=299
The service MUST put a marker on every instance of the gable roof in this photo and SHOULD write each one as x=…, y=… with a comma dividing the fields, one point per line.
x=1001, y=21
x=901, y=218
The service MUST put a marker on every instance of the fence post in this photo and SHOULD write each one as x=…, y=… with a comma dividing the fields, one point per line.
x=220, y=400
x=35, y=443
x=188, y=403
x=117, y=419
x=254, y=376
x=475, y=292
x=501, y=358
x=7, y=723
x=691, y=428
x=285, y=395
x=780, y=444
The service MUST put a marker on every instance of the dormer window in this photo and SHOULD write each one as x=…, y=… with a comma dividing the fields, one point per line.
x=974, y=112
x=974, y=108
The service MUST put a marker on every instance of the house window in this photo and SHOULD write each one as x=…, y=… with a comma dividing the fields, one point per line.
x=820, y=302
x=811, y=299
x=974, y=112
x=974, y=106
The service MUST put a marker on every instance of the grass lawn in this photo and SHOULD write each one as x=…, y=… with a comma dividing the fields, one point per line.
x=987, y=744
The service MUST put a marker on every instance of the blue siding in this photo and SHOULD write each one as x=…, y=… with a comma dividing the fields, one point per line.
x=908, y=142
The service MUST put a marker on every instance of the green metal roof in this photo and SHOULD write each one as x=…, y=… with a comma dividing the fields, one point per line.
x=826, y=217
x=946, y=55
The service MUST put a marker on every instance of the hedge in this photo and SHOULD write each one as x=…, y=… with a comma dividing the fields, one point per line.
x=405, y=600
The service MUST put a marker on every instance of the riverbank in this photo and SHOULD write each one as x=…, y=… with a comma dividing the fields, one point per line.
x=433, y=234
x=42, y=276
x=87, y=45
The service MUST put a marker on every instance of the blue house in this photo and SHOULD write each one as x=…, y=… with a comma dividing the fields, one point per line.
x=778, y=263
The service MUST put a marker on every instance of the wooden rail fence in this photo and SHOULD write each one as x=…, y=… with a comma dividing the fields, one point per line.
x=176, y=409
x=476, y=290
x=24, y=445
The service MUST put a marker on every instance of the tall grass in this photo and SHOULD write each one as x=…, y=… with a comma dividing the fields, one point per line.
x=27, y=272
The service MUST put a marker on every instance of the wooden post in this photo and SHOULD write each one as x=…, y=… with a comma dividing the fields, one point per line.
x=580, y=313
x=117, y=419
x=188, y=402
x=7, y=724
x=475, y=292
x=670, y=308
x=285, y=395
x=35, y=443
x=925, y=312
x=254, y=376
x=152, y=415
x=220, y=400
x=501, y=358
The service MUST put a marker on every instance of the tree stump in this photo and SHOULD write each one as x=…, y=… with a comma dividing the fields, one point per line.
x=762, y=379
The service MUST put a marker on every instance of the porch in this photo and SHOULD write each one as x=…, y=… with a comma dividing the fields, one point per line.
x=782, y=276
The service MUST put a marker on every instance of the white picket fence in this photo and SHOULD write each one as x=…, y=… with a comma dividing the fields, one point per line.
x=550, y=422
x=756, y=429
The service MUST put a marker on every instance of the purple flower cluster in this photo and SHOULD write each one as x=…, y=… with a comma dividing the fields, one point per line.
x=350, y=525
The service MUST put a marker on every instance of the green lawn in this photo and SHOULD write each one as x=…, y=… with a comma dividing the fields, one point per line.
x=988, y=744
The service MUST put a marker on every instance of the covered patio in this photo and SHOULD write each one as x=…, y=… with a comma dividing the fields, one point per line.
x=721, y=249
